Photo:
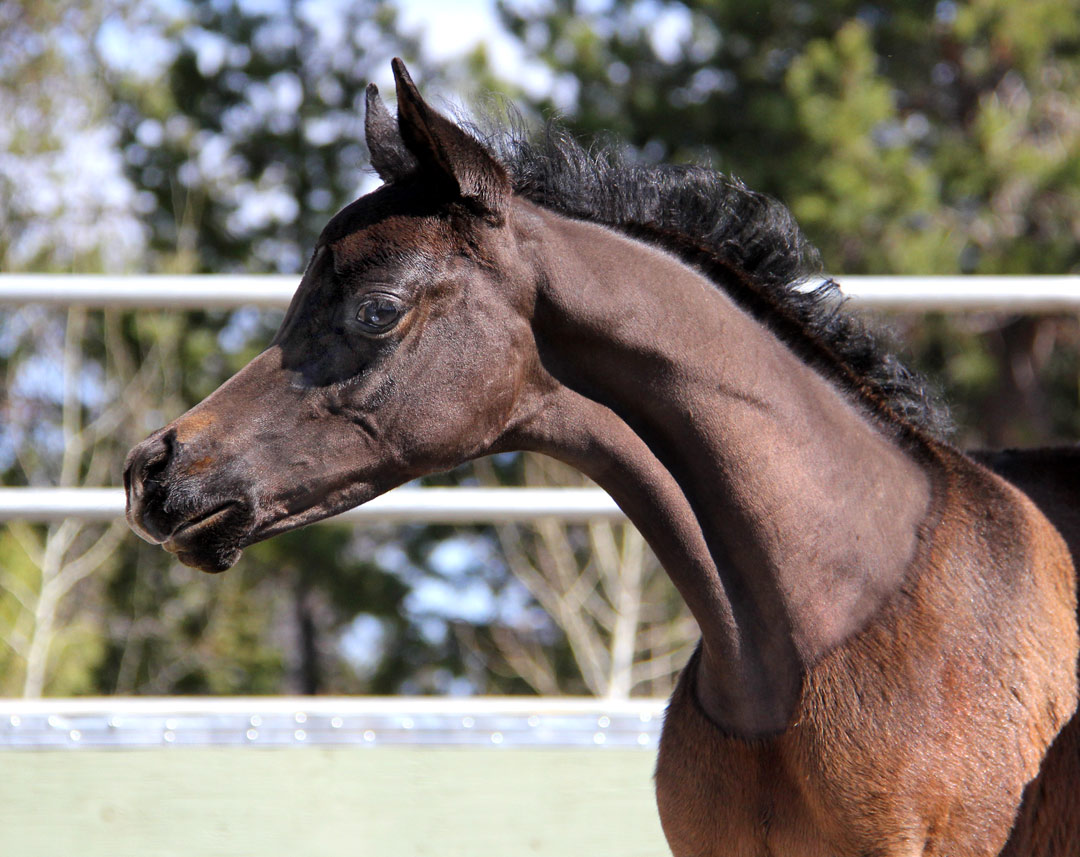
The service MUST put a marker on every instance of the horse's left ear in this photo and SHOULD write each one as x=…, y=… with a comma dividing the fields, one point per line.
x=448, y=154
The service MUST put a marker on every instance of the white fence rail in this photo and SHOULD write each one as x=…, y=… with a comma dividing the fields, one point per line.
x=403, y=505
x=1007, y=294
x=494, y=722
x=456, y=505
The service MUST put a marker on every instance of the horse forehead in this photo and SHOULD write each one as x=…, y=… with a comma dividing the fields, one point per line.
x=402, y=217
x=395, y=236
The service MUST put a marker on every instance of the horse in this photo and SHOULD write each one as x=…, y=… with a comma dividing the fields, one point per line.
x=888, y=629
x=1048, y=823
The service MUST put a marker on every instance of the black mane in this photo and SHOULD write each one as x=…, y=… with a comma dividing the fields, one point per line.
x=715, y=221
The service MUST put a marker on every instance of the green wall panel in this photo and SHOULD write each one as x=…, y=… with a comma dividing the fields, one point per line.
x=232, y=802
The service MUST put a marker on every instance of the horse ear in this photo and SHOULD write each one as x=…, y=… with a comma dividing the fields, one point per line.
x=389, y=156
x=445, y=151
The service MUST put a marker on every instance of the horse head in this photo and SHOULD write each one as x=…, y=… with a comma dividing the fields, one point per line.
x=402, y=353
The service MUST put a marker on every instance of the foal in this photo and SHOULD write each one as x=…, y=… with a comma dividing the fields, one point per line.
x=889, y=630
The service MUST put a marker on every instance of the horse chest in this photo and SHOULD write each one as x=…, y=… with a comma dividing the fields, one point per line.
x=724, y=797
x=739, y=804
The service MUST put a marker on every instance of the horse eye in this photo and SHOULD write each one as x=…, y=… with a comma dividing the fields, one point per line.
x=378, y=313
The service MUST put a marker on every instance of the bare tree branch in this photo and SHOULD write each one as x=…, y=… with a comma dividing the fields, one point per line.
x=90, y=561
x=528, y=659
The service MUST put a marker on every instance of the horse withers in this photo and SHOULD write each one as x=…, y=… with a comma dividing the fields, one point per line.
x=889, y=634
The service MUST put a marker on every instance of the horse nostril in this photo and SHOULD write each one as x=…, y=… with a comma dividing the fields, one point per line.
x=147, y=462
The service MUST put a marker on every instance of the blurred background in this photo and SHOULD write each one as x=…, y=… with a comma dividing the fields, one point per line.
x=179, y=137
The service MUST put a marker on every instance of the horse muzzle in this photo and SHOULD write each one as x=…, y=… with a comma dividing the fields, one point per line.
x=187, y=513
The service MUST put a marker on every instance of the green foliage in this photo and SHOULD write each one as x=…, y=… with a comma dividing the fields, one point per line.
x=53, y=216
x=254, y=141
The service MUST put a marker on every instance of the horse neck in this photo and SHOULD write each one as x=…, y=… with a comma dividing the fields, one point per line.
x=784, y=514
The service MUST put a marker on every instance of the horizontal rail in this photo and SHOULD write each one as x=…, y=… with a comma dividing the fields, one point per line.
x=1011, y=293
x=218, y=291
x=150, y=291
x=403, y=505
x=965, y=293
x=497, y=722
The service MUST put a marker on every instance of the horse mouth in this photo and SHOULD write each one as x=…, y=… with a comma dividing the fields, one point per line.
x=212, y=540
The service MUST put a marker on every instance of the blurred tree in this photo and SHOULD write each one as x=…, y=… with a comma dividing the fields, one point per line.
x=255, y=139
x=64, y=202
x=605, y=619
x=64, y=206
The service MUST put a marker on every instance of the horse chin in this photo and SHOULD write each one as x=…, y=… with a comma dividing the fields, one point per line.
x=210, y=563
x=214, y=541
